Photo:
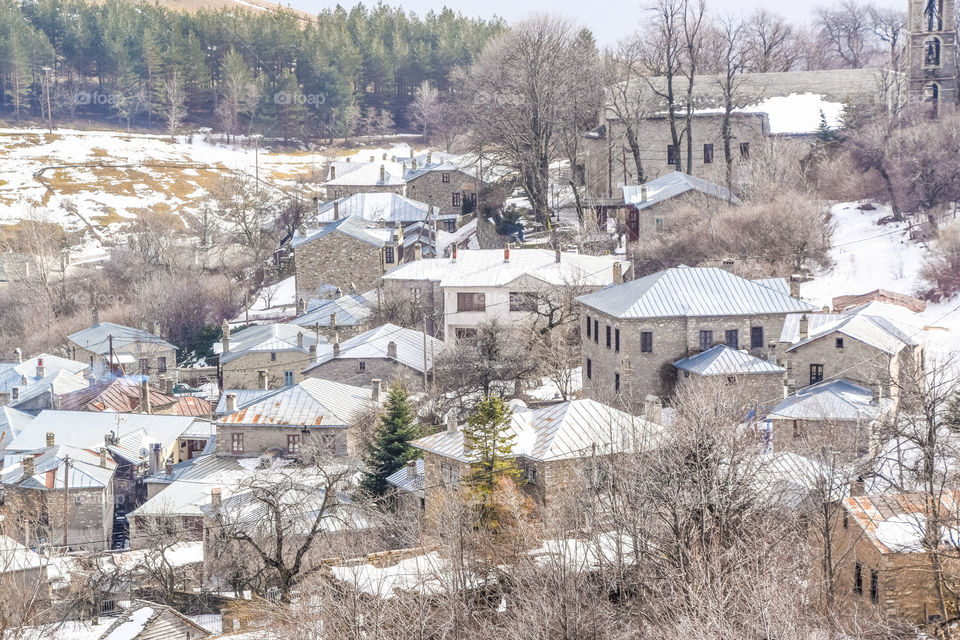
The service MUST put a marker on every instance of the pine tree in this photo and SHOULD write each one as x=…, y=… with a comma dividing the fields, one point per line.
x=390, y=448
x=491, y=444
x=825, y=134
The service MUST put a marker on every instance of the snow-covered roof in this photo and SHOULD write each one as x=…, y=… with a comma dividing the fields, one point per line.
x=671, y=186
x=691, y=292
x=16, y=557
x=876, y=331
x=13, y=373
x=51, y=465
x=311, y=403
x=560, y=431
x=265, y=338
x=349, y=311
x=364, y=174
x=445, y=166
x=791, y=480
x=12, y=424
x=134, y=623
x=358, y=228
x=375, y=343
x=896, y=523
x=60, y=382
x=833, y=400
x=188, y=487
x=97, y=338
x=491, y=268
x=721, y=360
x=432, y=270
x=376, y=207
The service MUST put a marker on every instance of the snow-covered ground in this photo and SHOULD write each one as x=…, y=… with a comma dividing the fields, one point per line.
x=868, y=256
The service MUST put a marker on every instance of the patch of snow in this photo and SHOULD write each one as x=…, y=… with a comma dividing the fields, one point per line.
x=799, y=112
x=131, y=627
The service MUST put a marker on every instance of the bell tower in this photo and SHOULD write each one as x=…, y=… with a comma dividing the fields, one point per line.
x=932, y=62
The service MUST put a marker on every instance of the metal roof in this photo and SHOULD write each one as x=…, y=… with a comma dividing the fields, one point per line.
x=386, y=207
x=490, y=268
x=60, y=382
x=244, y=398
x=12, y=424
x=722, y=360
x=402, y=479
x=445, y=166
x=777, y=284
x=433, y=270
x=561, y=431
x=350, y=311
x=50, y=469
x=375, y=344
x=871, y=512
x=188, y=488
x=791, y=480
x=886, y=335
x=16, y=557
x=311, y=403
x=365, y=174
x=670, y=186
x=691, y=292
x=12, y=373
x=97, y=337
x=119, y=394
x=358, y=228
x=264, y=338
x=837, y=400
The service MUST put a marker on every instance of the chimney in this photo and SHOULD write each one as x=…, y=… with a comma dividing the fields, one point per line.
x=411, y=152
x=556, y=254
x=333, y=322
x=336, y=344
x=804, y=327
x=333, y=172
x=375, y=389
x=51, y=437
x=857, y=487
x=231, y=404
x=170, y=385
x=451, y=422
x=373, y=158
x=506, y=254
x=216, y=497
x=404, y=165
x=41, y=370
x=262, y=379
x=145, y=397
x=643, y=193
x=225, y=327
x=429, y=157
x=313, y=351
x=91, y=379
x=728, y=264
x=103, y=457
x=18, y=355
x=618, y=273
x=300, y=339
x=156, y=328
x=418, y=251
x=15, y=394
x=28, y=468
x=383, y=174
x=877, y=393
x=653, y=409
x=301, y=307
x=24, y=381
x=154, y=462
x=393, y=158
x=453, y=254
x=302, y=231
x=336, y=209
x=384, y=155
x=96, y=316
x=772, y=352
x=348, y=158
x=412, y=469
x=168, y=467
x=413, y=164
x=392, y=350
x=795, y=285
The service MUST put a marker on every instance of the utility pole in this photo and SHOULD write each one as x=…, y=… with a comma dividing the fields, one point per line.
x=66, y=497
x=110, y=355
x=46, y=86
x=424, y=351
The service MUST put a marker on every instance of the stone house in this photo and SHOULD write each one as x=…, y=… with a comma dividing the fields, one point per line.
x=512, y=286
x=135, y=351
x=345, y=316
x=390, y=209
x=62, y=496
x=46, y=392
x=264, y=356
x=448, y=187
x=760, y=381
x=363, y=177
x=24, y=584
x=864, y=348
x=634, y=332
x=384, y=353
x=883, y=569
x=22, y=373
x=552, y=446
x=835, y=414
x=316, y=413
x=350, y=255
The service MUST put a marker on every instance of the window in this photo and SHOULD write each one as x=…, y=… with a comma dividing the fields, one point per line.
x=415, y=293
x=588, y=326
x=846, y=520
x=388, y=255
x=731, y=380
x=293, y=443
x=236, y=443
x=934, y=14
x=361, y=365
x=609, y=337
x=616, y=382
x=931, y=56
x=522, y=301
x=531, y=474
x=451, y=225
x=671, y=154
x=744, y=150
x=76, y=499
x=756, y=337
x=646, y=342
x=706, y=340
x=288, y=378
x=796, y=429
x=932, y=92
x=589, y=369
x=445, y=177
x=708, y=154
x=857, y=578
x=273, y=356
x=616, y=340
x=816, y=373
x=874, y=586
x=456, y=199
x=465, y=333
x=596, y=331
x=449, y=474
x=471, y=302
x=658, y=225
x=732, y=338
x=144, y=365
x=162, y=364
x=839, y=343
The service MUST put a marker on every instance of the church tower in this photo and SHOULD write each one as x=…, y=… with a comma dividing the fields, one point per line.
x=932, y=70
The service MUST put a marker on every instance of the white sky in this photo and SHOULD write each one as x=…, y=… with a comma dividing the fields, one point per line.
x=609, y=20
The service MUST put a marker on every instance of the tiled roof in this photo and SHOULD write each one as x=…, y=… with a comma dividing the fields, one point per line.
x=722, y=360
x=265, y=338
x=375, y=344
x=350, y=311
x=691, y=292
x=311, y=403
x=97, y=337
x=119, y=394
x=359, y=229
x=489, y=268
x=837, y=400
x=560, y=431
x=670, y=186
x=387, y=207
x=51, y=469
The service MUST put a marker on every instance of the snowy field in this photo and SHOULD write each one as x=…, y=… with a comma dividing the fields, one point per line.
x=868, y=256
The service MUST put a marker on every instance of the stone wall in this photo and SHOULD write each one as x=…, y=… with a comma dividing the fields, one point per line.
x=431, y=189
x=337, y=259
x=759, y=389
x=243, y=372
x=258, y=440
x=150, y=352
x=89, y=515
x=347, y=371
x=856, y=361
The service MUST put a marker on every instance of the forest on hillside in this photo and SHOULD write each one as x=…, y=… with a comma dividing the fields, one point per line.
x=271, y=72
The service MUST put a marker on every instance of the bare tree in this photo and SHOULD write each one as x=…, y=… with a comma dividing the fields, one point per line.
x=173, y=101
x=628, y=97
x=425, y=108
x=847, y=31
x=773, y=43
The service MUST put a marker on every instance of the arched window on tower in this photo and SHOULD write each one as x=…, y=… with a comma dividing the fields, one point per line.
x=931, y=57
x=933, y=12
x=932, y=92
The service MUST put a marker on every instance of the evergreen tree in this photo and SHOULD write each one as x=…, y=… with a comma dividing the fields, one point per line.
x=825, y=134
x=390, y=448
x=488, y=435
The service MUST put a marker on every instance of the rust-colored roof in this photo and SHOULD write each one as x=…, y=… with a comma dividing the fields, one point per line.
x=121, y=395
x=870, y=511
x=193, y=406
x=842, y=303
